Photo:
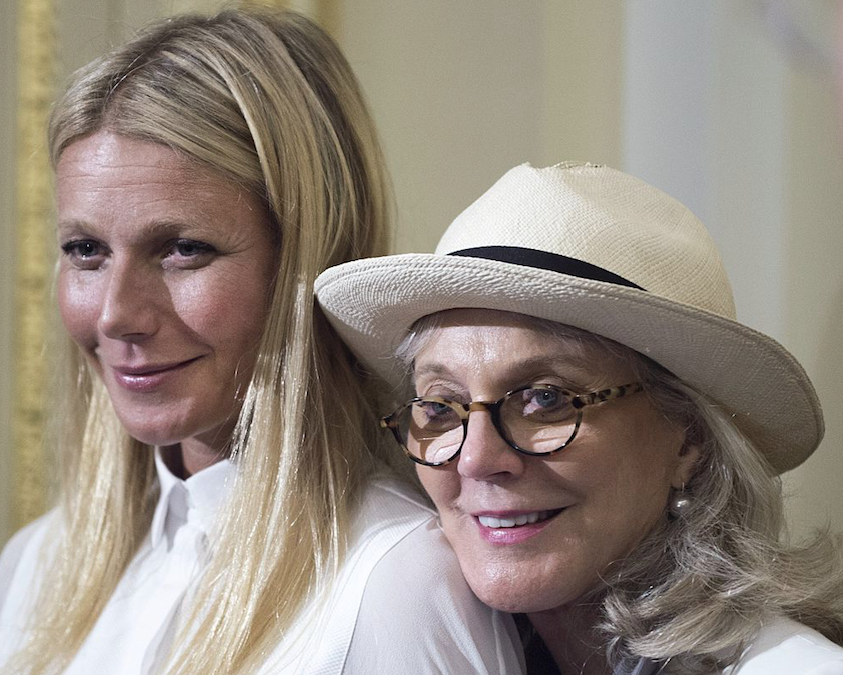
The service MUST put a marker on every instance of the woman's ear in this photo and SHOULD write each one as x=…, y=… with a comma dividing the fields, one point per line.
x=685, y=466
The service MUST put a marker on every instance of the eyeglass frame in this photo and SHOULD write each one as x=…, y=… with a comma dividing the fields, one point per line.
x=578, y=401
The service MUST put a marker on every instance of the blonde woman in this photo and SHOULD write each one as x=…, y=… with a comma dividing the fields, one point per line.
x=600, y=435
x=223, y=505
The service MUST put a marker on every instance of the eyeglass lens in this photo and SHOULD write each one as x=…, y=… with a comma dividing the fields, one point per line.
x=537, y=419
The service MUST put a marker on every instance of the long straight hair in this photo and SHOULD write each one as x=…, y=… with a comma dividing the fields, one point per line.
x=268, y=101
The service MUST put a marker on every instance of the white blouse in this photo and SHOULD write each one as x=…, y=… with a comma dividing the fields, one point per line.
x=399, y=605
x=781, y=647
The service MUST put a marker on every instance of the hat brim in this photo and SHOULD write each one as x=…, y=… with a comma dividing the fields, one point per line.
x=372, y=304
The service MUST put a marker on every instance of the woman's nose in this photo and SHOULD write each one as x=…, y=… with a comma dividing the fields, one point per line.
x=485, y=455
x=128, y=310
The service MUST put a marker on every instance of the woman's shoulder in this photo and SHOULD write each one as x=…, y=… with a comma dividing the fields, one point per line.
x=24, y=543
x=20, y=566
x=12, y=551
x=398, y=603
x=419, y=612
x=786, y=647
x=387, y=510
x=405, y=501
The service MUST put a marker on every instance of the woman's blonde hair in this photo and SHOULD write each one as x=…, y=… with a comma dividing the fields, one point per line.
x=267, y=100
x=699, y=587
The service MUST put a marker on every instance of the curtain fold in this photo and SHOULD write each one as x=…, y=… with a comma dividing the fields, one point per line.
x=34, y=236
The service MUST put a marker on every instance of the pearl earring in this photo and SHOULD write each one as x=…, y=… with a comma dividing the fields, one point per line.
x=680, y=502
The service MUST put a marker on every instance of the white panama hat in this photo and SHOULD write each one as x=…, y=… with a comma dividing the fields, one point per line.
x=594, y=248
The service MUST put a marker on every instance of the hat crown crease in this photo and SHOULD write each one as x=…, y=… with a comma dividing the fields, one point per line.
x=605, y=218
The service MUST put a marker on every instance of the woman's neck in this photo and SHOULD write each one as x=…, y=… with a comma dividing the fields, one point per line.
x=187, y=458
x=569, y=634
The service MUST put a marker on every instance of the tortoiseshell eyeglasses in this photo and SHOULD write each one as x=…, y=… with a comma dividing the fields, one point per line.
x=538, y=419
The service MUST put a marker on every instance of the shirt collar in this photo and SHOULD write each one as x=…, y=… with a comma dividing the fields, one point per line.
x=200, y=495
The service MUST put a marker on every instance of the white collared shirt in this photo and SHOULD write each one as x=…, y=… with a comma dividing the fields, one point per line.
x=399, y=605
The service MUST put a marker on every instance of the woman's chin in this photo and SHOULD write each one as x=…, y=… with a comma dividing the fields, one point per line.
x=152, y=435
x=513, y=600
x=510, y=591
x=525, y=588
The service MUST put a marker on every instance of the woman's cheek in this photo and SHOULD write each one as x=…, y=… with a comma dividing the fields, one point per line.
x=78, y=308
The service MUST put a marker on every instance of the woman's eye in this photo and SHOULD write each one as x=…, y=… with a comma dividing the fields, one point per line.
x=544, y=402
x=190, y=248
x=545, y=398
x=84, y=253
x=431, y=415
x=435, y=408
x=189, y=253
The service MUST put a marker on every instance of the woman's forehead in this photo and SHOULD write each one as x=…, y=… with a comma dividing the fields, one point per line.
x=468, y=323
x=465, y=339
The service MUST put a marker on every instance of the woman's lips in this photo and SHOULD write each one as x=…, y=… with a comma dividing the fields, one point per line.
x=145, y=378
x=513, y=528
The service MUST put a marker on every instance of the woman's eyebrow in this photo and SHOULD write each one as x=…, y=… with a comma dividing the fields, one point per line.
x=71, y=225
x=572, y=368
x=435, y=369
x=159, y=227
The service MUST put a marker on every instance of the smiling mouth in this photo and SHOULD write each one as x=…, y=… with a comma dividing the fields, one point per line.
x=151, y=370
x=494, y=522
x=149, y=378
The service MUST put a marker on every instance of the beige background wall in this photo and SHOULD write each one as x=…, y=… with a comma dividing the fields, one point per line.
x=7, y=250
x=743, y=125
x=812, y=300
x=464, y=91
x=701, y=98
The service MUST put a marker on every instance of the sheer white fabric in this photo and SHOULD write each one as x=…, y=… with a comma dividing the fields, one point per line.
x=399, y=604
x=785, y=647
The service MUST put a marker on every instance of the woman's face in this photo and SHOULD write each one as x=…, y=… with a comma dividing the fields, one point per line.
x=594, y=500
x=163, y=284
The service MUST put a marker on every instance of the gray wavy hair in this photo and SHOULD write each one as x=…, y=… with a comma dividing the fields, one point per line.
x=700, y=586
x=696, y=590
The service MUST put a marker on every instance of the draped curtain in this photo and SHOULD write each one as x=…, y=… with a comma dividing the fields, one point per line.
x=39, y=33
x=36, y=78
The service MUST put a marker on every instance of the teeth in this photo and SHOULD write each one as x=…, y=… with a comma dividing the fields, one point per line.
x=523, y=519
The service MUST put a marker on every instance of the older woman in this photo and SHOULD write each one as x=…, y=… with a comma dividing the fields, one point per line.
x=599, y=435
x=221, y=509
